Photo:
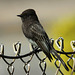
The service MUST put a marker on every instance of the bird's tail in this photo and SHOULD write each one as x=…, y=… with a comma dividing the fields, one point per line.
x=53, y=52
x=49, y=56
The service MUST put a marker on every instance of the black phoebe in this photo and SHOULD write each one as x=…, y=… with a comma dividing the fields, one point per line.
x=37, y=36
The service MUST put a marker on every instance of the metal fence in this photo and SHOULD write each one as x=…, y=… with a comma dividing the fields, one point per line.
x=17, y=49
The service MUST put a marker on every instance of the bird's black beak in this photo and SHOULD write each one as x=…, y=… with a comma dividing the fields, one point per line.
x=19, y=15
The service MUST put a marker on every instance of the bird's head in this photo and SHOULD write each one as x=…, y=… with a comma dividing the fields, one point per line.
x=29, y=13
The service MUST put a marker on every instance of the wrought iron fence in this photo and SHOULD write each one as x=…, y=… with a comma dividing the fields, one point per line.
x=17, y=49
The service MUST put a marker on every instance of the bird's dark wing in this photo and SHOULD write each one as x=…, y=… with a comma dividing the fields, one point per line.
x=41, y=39
x=39, y=33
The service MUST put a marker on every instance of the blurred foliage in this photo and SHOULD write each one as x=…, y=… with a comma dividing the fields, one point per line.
x=63, y=27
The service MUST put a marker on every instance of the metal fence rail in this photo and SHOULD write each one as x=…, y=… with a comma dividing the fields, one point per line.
x=17, y=49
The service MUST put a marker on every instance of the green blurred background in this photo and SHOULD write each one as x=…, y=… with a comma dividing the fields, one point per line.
x=57, y=18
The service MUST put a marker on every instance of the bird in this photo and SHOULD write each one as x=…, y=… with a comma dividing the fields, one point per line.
x=35, y=33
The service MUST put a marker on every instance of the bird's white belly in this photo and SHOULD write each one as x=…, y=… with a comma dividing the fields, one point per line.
x=33, y=43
